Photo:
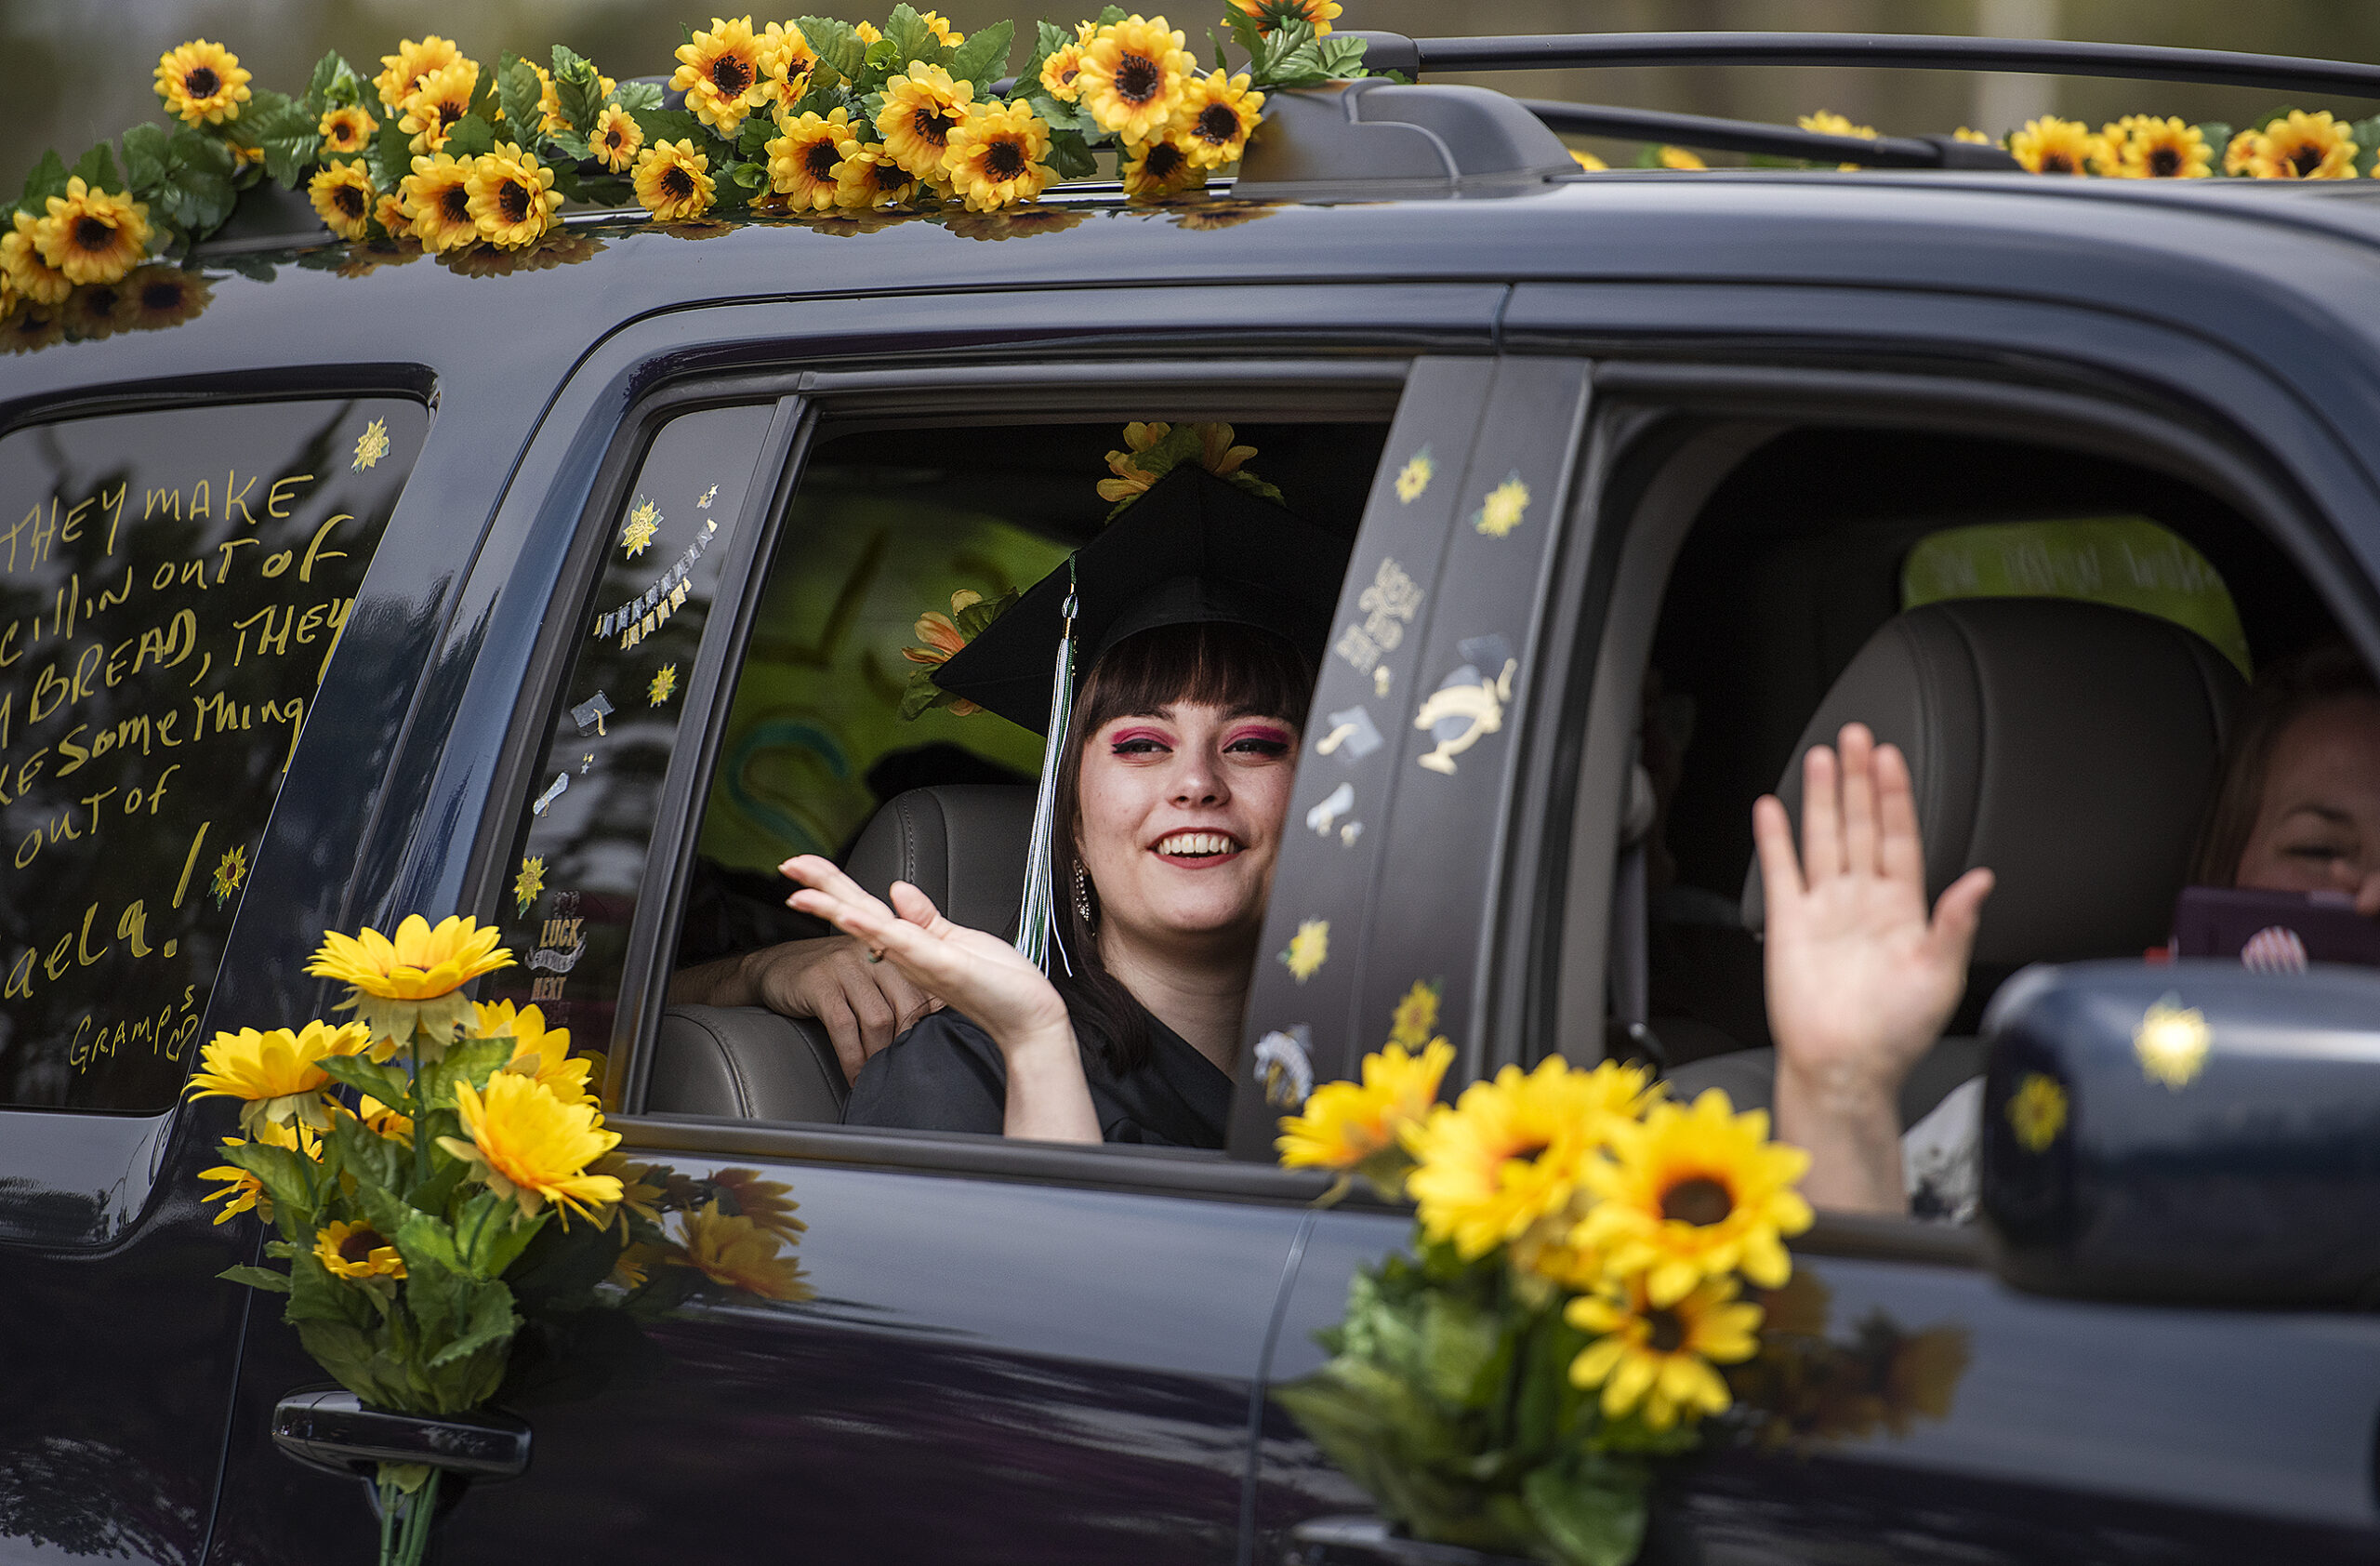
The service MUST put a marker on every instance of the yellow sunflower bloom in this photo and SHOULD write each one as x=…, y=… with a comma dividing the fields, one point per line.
x=438, y=194
x=2240, y=152
x=617, y=138
x=21, y=264
x=786, y=60
x=1659, y=1359
x=1345, y=1125
x=383, y=1120
x=512, y=197
x=278, y=1075
x=1270, y=13
x=1061, y=71
x=357, y=1251
x=201, y=83
x=1416, y=1018
x=950, y=38
x=1678, y=157
x=1694, y=1192
x=672, y=181
x=1133, y=74
x=739, y=1253
x=1975, y=138
x=920, y=111
x=422, y=964
x=342, y=195
x=997, y=157
x=539, y=1052
x=867, y=32
x=430, y=111
x=1217, y=115
x=767, y=1202
x=92, y=236
x=388, y=210
x=550, y=115
x=1587, y=161
x=532, y=1147
x=345, y=130
x=2304, y=146
x=868, y=176
x=2166, y=149
x=1153, y=170
x=1828, y=123
x=402, y=73
x=803, y=156
x=242, y=1191
x=719, y=71
x=1515, y=1150
x=2050, y=145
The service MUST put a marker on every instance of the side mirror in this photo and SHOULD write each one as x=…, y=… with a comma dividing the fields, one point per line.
x=2191, y=1133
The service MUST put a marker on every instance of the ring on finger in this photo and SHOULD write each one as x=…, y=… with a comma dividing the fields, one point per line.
x=874, y=955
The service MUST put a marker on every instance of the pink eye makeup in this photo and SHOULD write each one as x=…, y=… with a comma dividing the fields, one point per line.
x=1268, y=739
x=1137, y=741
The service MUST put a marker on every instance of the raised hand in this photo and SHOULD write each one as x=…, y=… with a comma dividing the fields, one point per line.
x=1859, y=980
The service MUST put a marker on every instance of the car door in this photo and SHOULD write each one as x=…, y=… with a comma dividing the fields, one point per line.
x=170, y=592
x=1967, y=1422
x=1002, y=1351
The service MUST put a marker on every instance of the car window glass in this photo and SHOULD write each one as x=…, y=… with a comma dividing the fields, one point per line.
x=172, y=584
x=575, y=876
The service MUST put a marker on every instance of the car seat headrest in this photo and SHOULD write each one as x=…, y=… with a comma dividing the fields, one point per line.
x=963, y=844
x=2068, y=746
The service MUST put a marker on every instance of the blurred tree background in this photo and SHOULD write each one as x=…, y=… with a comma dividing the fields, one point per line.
x=77, y=70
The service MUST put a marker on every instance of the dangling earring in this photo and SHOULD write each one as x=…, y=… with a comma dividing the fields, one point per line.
x=1082, y=896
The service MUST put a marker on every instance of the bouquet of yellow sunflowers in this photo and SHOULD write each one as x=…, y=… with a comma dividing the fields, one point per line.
x=422, y=1165
x=1581, y=1246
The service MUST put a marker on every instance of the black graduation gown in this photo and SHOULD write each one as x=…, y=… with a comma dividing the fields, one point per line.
x=946, y=1074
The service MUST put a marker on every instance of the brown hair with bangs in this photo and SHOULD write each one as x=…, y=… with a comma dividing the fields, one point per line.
x=2284, y=690
x=1240, y=668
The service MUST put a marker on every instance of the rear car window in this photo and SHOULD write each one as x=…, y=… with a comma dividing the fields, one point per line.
x=172, y=584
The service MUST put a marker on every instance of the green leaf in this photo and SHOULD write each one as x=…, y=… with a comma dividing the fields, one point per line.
x=1459, y=1350
x=922, y=696
x=346, y=1353
x=669, y=124
x=144, y=158
x=491, y=1321
x=1341, y=56
x=287, y=1177
x=884, y=59
x=982, y=59
x=835, y=43
x=386, y=1211
x=484, y=101
x=285, y=132
x=257, y=1277
x=96, y=169
x=1595, y=1516
x=977, y=617
x=753, y=139
x=471, y=137
x=1110, y=14
x=333, y=84
x=573, y=149
x=578, y=86
x=428, y=1246
x=367, y=1155
x=825, y=94
x=315, y=1296
x=908, y=32
x=633, y=96
x=752, y=176
x=521, y=95
x=389, y=157
x=48, y=178
x=387, y=1083
x=473, y=1060
x=495, y=1233
x=1070, y=155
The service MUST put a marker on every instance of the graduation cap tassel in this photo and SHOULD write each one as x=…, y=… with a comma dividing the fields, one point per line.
x=1036, y=932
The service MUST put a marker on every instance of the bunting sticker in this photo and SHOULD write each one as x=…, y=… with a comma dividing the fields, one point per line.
x=648, y=612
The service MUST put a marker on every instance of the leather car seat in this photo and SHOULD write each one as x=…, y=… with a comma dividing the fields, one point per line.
x=2068, y=746
x=962, y=844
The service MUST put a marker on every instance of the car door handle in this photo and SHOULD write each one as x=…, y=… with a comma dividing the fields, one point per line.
x=333, y=1429
x=1367, y=1541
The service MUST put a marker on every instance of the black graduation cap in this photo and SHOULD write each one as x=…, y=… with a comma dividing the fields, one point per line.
x=1192, y=549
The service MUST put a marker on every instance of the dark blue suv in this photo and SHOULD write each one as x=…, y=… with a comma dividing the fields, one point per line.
x=569, y=591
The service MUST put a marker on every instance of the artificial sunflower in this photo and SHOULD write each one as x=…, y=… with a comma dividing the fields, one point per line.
x=1826, y=122
x=1971, y=137
x=767, y=1202
x=1133, y=74
x=1150, y=453
x=165, y=296
x=2050, y=145
x=997, y=157
x=721, y=74
x=384, y=1120
x=734, y=1250
x=201, y=83
x=1061, y=71
x=438, y=194
x=388, y=210
x=1658, y=1359
x=1692, y=1192
x=1270, y=13
x=868, y=176
x=512, y=197
x=673, y=181
x=21, y=264
x=403, y=71
x=786, y=61
x=803, y=157
x=1218, y=114
x=1515, y=1150
x=539, y=1052
x=1678, y=157
x=443, y=96
x=1587, y=161
x=920, y=111
x=92, y=235
x=1415, y=1021
x=2304, y=146
x=617, y=138
x=242, y=1191
x=278, y=1074
x=867, y=32
x=345, y=130
x=949, y=37
x=343, y=196
x=1357, y=1128
x=2240, y=150
x=422, y=964
x=2166, y=149
x=357, y=1251
x=532, y=1147
x=550, y=115
x=1153, y=170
